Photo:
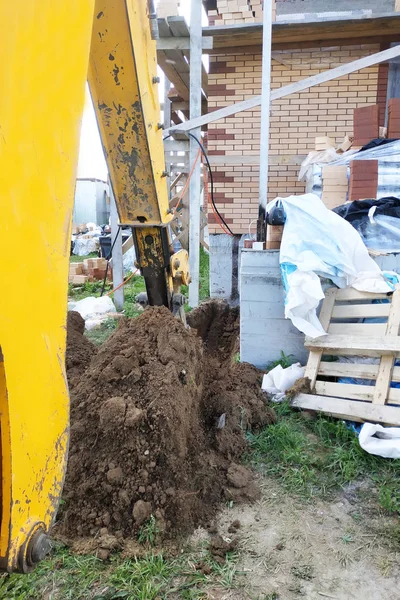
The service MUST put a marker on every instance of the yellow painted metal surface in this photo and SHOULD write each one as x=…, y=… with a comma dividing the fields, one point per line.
x=44, y=53
x=121, y=71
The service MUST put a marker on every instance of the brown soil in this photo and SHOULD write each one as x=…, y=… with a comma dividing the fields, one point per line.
x=79, y=349
x=157, y=428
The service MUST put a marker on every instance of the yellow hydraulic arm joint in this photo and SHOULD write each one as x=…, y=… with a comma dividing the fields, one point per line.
x=44, y=51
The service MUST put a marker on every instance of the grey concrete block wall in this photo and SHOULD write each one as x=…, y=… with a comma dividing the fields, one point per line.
x=264, y=331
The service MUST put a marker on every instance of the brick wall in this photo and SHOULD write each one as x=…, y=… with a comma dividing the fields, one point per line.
x=324, y=110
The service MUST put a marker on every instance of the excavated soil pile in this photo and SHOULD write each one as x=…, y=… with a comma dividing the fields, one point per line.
x=79, y=349
x=157, y=428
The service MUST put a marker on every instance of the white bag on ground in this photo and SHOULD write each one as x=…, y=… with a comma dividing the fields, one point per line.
x=279, y=380
x=317, y=242
x=381, y=441
x=92, y=308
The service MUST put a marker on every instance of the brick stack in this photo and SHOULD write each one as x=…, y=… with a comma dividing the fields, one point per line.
x=324, y=110
x=274, y=236
x=366, y=124
x=91, y=269
x=236, y=12
x=394, y=118
x=363, y=179
x=334, y=185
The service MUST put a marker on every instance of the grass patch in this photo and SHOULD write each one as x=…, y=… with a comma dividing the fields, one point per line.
x=65, y=576
x=100, y=334
x=74, y=258
x=313, y=458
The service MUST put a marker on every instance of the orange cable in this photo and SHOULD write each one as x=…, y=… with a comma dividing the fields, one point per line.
x=121, y=284
x=183, y=192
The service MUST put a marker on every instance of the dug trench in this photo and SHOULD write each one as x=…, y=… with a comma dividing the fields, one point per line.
x=159, y=416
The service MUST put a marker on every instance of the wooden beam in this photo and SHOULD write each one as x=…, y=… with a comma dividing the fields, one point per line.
x=338, y=407
x=292, y=88
x=183, y=43
x=382, y=27
x=365, y=345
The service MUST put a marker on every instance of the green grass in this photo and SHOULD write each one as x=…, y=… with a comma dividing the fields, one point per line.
x=286, y=360
x=100, y=334
x=313, y=458
x=65, y=576
x=74, y=259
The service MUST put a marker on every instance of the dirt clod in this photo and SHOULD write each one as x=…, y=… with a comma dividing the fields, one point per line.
x=220, y=547
x=144, y=438
x=234, y=526
x=80, y=350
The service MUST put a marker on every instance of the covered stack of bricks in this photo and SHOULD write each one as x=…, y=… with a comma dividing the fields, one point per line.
x=334, y=185
x=394, y=118
x=236, y=12
x=296, y=120
x=363, y=179
x=91, y=269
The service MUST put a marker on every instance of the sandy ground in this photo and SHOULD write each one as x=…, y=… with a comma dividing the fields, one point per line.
x=334, y=550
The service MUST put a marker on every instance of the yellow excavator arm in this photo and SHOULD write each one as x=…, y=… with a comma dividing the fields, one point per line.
x=48, y=50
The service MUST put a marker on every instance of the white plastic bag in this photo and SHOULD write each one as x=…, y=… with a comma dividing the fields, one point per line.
x=317, y=242
x=92, y=308
x=381, y=441
x=279, y=380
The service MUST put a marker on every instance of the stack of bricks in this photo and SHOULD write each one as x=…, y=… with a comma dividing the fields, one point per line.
x=366, y=124
x=168, y=8
x=363, y=179
x=324, y=110
x=334, y=185
x=236, y=12
x=91, y=269
x=274, y=236
x=394, y=118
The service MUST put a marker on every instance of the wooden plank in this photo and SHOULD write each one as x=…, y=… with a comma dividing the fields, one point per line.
x=360, y=329
x=360, y=311
x=325, y=316
x=348, y=294
x=173, y=75
x=345, y=390
x=356, y=345
x=355, y=30
x=349, y=409
x=175, y=43
x=292, y=88
x=356, y=370
x=384, y=378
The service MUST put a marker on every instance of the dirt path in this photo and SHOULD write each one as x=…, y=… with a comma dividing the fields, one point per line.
x=333, y=550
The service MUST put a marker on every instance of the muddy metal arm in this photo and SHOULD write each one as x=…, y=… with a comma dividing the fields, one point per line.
x=44, y=53
x=124, y=87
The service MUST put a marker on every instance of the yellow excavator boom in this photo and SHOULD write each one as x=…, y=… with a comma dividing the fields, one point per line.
x=47, y=52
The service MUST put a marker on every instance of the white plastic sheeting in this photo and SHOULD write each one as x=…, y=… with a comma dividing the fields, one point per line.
x=93, y=310
x=316, y=242
x=279, y=380
x=381, y=441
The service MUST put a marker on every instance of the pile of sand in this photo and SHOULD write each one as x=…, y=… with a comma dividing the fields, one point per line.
x=157, y=428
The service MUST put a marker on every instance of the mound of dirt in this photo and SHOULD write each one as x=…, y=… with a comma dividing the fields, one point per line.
x=157, y=428
x=218, y=326
x=80, y=350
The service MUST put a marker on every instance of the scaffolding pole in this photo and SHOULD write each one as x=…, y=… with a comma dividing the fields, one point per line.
x=194, y=186
x=265, y=118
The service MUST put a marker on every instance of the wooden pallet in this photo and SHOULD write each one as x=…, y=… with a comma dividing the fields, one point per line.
x=341, y=315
